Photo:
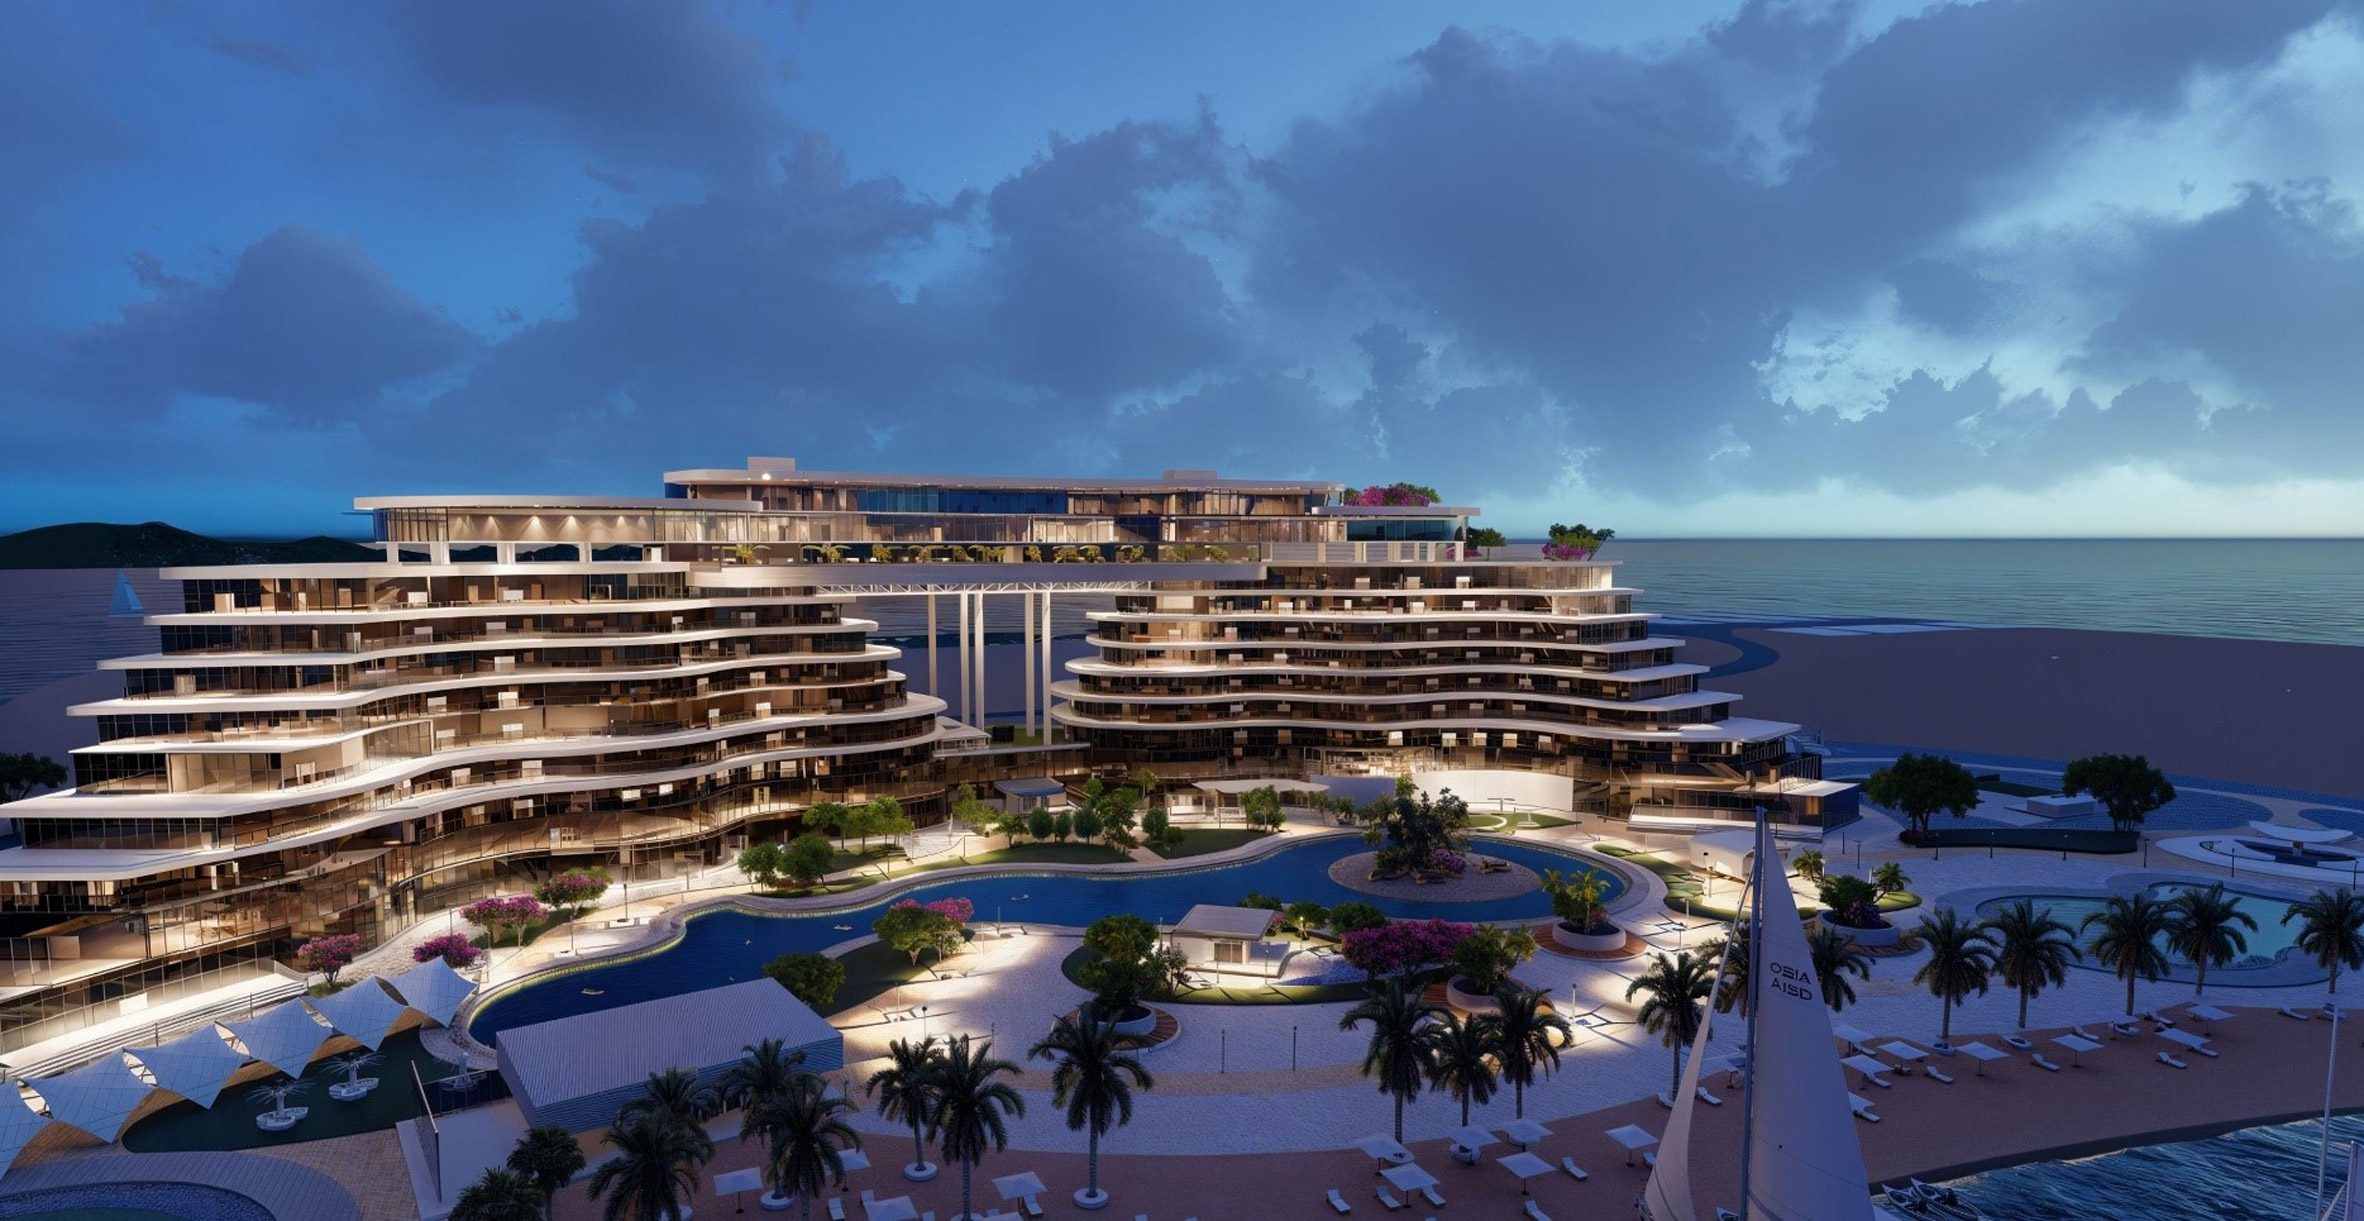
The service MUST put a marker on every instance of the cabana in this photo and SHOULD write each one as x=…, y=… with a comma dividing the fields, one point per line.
x=1028, y=792
x=1221, y=938
x=433, y=988
x=19, y=1124
x=364, y=1012
x=97, y=1097
x=195, y=1066
x=284, y=1036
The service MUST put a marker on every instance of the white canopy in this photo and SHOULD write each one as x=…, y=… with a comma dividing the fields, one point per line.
x=434, y=989
x=195, y=1066
x=19, y=1124
x=283, y=1036
x=364, y=1011
x=1408, y=1177
x=2185, y=1037
x=96, y=1097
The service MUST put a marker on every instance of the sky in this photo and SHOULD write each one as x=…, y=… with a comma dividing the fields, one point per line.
x=2018, y=267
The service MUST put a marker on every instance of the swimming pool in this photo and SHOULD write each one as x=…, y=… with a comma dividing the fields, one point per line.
x=2269, y=944
x=724, y=945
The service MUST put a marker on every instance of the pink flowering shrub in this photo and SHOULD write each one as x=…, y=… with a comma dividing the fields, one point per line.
x=453, y=948
x=329, y=955
x=1401, y=945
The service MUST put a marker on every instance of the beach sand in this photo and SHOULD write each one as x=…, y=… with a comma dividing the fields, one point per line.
x=2254, y=711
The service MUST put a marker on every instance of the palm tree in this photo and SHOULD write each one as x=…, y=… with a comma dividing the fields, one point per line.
x=1836, y=956
x=2206, y=929
x=1464, y=1060
x=654, y=1174
x=1960, y=960
x=805, y=1137
x=1524, y=1027
x=1094, y=1080
x=906, y=1091
x=2032, y=951
x=676, y=1097
x=970, y=1108
x=1732, y=951
x=2333, y=930
x=2128, y=940
x=548, y=1158
x=1400, y=1052
x=1677, y=988
x=498, y=1195
x=764, y=1072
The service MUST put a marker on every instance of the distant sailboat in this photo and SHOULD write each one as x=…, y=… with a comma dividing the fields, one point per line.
x=126, y=602
x=1802, y=1161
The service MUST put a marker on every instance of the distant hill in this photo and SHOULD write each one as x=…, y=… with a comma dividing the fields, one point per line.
x=87, y=544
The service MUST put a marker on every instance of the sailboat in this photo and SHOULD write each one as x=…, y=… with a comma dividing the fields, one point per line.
x=126, y=603
x=1799, y=1157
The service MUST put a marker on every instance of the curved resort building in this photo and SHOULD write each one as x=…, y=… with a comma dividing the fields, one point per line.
x=525, y=684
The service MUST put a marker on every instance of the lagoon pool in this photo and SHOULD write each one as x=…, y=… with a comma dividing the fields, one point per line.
x=2269, y=944
x=722, y=946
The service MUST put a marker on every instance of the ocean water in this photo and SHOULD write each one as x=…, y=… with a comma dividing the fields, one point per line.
x=2265, y=1173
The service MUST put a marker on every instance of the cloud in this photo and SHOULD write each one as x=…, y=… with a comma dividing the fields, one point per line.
x=657, y=83
x=303, y=325
x=259, y=53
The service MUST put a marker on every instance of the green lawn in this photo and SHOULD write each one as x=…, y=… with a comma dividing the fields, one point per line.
x=1199, y=842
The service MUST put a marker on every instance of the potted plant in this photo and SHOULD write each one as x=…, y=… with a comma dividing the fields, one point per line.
x=1582, y=925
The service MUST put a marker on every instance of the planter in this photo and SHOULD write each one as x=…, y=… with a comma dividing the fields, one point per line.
x=1588, y=942
x=1468, y=1001
x=1875, y=938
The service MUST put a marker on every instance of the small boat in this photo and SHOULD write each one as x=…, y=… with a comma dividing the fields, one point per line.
x=595, y=992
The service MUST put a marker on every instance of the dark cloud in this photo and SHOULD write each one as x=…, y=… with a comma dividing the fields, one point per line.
x=303, y=325
x=658, y=82
x=613, y=182
x=257, y=52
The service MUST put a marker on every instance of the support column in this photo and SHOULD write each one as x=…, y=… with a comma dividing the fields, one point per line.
x=935, y=688
x=961, y=656
x=1025, y=657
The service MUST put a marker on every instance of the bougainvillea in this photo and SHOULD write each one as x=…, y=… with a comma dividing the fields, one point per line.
x=453, y=948
x=1402, y=945
x=329, y=955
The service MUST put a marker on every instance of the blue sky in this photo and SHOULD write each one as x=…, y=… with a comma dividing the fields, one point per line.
x=2064, y=267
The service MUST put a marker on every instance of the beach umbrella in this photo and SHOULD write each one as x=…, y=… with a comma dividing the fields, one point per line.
x=1525, y=1165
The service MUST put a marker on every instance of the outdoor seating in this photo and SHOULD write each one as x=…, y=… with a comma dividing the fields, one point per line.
x=1938, y=1077
x=1387, y=1201
x=2171, y=1062
x=1338, y=1203
x=1575, y=1171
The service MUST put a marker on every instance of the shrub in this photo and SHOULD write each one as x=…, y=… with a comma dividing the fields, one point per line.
x=454, y=949
x=811, y=978
x=330, y=954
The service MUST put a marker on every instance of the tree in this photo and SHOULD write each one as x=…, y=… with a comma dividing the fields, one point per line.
x=674, y=1097
x=1485, y=538
x=1354, y=915
x=1808, y=865
x=1889, y=879
x=1463, y=1060
x=1400, y=1056
x=1486, y=957
x=1528, y=1039
x=1960, y=961
x=811, y=978
x=906, y=1092
x=808, y=859
x=2032, y=951
x=1920, y=787
x=329, y=954
x=654, y=1174
x=972, y=1107
x=805, y=1137
x=1836, y=956
x=2127, y=941
x=547, y=1158
x=1039, y=823
x=2332, y=930
x=1305, y=916
x=2127, y=786
x=2205, y=927
x=827, y=818
x=765, y=1070
x=766, y=863
x=22, y=775
x=1094, y=1079
x=499, y=1195
x=1676, y=991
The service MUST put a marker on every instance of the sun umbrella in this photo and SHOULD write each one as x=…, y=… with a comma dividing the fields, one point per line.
x=1525, y=1165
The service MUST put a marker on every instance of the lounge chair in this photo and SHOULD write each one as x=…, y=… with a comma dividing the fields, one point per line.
x=1429, y=1192
x=2042, y=1063
x=2171, y=1061
x=1535, y=1213
x=1575, y=1171
x=1388, y=1201
x=1938, y=1077
x=1338, y=1203
x=2019, y=1043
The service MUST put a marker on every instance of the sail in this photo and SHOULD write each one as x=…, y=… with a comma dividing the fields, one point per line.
x=1668, y=1195
x=125, y=604
x=1805, y=1161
